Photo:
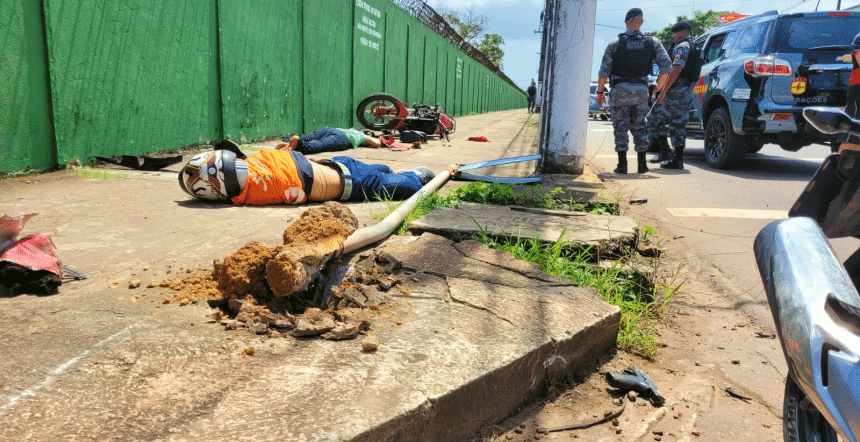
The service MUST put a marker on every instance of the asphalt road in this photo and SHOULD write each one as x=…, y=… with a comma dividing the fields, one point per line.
x=716, y=212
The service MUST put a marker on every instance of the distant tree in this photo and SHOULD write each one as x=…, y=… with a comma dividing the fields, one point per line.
x=699, y=24
x=491, y=46
x=471, y=27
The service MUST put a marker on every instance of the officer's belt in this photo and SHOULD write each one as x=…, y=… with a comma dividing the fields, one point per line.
x=345, y=177
x=628, y=80
x=681, y=83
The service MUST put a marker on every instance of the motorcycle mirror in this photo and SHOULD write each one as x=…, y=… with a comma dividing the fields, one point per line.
x=831, y=121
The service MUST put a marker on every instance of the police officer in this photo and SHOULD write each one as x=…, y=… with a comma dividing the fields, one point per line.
x=852, y=106
x=677, y=93
x=626, y=65
x=532, y=96
x=657, y=130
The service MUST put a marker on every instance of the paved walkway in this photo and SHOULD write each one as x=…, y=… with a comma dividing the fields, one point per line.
x=474, y=335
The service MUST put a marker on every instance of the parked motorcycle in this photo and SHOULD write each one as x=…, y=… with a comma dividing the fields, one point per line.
x=814, y=298
x=385, y=112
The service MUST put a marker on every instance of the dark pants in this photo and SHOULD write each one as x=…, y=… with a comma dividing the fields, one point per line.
x=378, y=181
x=326, y=139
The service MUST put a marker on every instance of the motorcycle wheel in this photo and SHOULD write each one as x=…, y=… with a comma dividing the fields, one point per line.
x=379, y=112
x=801, y=421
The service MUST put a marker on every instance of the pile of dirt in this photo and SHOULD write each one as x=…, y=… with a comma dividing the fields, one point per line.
x=272, y=291
x=281, y=271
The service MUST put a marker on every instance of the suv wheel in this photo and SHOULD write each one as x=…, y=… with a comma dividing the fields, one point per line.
x=723, y=147
x=754, y=146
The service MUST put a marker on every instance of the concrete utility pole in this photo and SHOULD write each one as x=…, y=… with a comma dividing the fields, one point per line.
x=567, y=53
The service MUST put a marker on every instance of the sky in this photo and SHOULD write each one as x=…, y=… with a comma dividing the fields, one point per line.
x=518, y=22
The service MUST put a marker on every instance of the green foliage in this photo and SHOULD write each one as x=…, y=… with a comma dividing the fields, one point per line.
x=92, y=174
x=641, y=307
x=491, y=46
x=699, y=24
x=526, y=195
x=646, y=231
x=471, y=27
x=427, y=204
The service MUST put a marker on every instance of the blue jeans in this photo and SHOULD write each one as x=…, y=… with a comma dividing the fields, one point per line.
x=326, y=139
x=372, y=181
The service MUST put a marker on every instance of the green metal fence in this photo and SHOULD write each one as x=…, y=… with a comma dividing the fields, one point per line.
x=81, y=78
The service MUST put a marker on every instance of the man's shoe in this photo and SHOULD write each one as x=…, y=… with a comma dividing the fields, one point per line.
x=424, y=173
x=665, y=151
x=661, y=158
x=622, y=163
x=642, y=166
x=677, y=161
x=674, y=164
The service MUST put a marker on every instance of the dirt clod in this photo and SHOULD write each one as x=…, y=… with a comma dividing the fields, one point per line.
x=370, y=343
x=314, y=322
x=242, y=273
x=134, y=283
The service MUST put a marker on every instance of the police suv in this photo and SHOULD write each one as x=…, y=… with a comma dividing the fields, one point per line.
x=759, y=72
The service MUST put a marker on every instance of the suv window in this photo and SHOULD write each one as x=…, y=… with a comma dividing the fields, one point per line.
x=752, y=39
x=798, y=34
x=715, y=48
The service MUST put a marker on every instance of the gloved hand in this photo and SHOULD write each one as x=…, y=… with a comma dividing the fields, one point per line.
x=636, y=380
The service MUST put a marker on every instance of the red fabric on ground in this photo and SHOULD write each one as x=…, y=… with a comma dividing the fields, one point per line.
x=35, y=252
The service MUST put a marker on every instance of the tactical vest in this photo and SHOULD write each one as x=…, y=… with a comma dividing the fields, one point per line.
x=693, y=68
x=632, y=58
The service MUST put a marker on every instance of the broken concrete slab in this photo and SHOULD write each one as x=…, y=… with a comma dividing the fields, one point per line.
x=606, y=234
x=458, y=352
x=440, y=256
x=586, y=188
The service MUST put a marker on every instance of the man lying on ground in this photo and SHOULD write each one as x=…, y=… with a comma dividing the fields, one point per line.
x=287, y=177
x=328, y=139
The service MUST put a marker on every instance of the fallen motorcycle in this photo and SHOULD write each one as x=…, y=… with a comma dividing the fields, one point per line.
x=384, y=112
x=813, y=297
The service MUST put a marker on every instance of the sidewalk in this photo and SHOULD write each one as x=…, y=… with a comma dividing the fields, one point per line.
x=474, y=335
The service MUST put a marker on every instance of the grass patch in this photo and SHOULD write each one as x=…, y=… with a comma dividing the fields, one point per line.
x=528, y=196
x=494, y=193
x=92, y=174
x=641, y=304
x=425, y=205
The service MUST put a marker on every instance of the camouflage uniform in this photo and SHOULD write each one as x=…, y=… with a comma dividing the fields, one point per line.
x=657, y=121
x=679, y=98
x=628, y=102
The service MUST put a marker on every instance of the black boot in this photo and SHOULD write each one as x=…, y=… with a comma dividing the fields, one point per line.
x=622, y=163
x=677, y=161
x=642, y=166
x=665, y=151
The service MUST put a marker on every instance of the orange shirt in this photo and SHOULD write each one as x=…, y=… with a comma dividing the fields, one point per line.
x=273, y=178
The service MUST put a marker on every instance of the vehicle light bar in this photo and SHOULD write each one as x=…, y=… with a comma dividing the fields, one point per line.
x=839, y=14
x=728, y=18
x=767, y=66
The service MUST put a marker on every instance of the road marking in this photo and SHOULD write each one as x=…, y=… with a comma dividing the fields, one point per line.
x=62, y=368
x=728, y=213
